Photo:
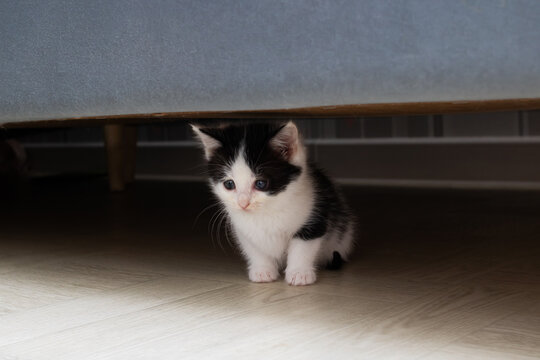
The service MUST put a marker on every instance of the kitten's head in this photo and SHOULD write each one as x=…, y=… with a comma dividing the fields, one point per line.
x=251, y=165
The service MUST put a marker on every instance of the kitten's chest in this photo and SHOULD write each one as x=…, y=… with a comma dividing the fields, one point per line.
x=281, y=221
x=264, y=227
x=270, y=232
x=263, y=235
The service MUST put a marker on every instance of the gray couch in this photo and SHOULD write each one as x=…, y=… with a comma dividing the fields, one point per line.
x=64, y=59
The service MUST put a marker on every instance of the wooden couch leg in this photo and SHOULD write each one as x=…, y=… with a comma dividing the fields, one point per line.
x=120, y=142
x=130, y=149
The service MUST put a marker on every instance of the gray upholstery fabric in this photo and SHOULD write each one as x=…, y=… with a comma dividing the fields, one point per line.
x=83, y=58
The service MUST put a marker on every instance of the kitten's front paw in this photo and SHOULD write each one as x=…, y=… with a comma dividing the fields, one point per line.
x=300, y=276
x=263, y=275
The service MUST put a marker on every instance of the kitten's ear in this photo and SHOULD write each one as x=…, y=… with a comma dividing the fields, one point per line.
x=210, y=143
x=287, y=141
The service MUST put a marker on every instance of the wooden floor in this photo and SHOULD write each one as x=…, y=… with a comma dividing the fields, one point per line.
x=85, y=274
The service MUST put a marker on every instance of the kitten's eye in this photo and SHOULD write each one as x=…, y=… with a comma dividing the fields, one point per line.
x=261, y=185
x=229, y=184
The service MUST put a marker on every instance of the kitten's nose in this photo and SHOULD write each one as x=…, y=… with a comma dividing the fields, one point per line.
x=243, y=201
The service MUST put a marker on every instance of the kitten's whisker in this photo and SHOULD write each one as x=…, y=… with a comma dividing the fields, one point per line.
x=213, y=228
x=211, y=225
x=203, y=211
x=214, y=223
x=223, y=217
x=227, y=230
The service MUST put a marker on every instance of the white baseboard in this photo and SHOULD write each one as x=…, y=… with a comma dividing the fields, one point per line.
x=512, y=163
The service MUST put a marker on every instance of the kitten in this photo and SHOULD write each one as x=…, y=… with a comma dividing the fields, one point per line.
x=282, y=208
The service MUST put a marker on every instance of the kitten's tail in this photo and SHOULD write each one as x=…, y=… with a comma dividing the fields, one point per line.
x=336, y=263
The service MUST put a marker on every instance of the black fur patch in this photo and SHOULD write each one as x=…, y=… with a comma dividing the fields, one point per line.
x=336, y=263
x=264, y=161
x=329, y=210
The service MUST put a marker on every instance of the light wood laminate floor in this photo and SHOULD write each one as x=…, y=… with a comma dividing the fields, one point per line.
x=86, y=274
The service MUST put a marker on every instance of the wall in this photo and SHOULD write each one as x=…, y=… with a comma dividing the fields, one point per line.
x=466, y=150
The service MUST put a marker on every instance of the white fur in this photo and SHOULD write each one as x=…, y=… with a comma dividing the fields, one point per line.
x=334, y=242
x=265, y=228
x=301, y=261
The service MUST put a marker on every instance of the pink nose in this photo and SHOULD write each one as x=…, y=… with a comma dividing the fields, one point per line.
x=243, y=201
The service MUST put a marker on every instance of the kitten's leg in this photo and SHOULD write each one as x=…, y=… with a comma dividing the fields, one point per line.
x=301, y=261
x=261, y=267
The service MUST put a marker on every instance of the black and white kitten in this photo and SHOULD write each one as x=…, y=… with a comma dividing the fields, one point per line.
x=282, y=208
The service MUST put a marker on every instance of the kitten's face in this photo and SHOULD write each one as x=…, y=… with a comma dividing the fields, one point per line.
x=250, y=166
